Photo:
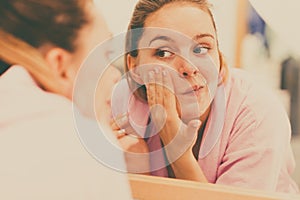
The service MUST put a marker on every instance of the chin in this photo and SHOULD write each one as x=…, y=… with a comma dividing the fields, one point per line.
x=190, y=112
x=192, y=108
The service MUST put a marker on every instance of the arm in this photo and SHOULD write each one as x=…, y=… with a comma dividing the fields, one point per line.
x=187, y=167
x=177, y=137
x=257, y=152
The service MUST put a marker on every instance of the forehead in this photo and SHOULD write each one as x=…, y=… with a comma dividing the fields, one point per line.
x=188, y=19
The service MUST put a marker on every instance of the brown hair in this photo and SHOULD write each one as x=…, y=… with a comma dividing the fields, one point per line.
x=26, y=25
x=142, y=10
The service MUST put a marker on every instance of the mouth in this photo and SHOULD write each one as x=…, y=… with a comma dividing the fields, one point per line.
x=196, y=89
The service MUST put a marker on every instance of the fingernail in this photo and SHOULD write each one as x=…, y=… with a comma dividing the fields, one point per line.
x=151, y=75
x=156, y=70
x=196, y=124
x=121, y=132
x=164, y=73
x=124, y=118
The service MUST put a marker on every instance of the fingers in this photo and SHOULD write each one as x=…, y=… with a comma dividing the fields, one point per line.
x=192, y=129
x=151, y=89
x=193, y=125
x=168, y=93
x=131, y=131
x=122, y=126
x=156, y=87
x=119, y=122
x=120, y=133
x=159, y=87
x=160, y=90
x=162, y=102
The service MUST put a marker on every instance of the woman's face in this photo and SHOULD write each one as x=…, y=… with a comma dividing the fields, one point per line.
x=186, y=44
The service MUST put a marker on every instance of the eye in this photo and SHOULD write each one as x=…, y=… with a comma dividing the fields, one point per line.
x=200, y=50
x=164, y=53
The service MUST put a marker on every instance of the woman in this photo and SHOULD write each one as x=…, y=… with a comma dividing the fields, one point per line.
x=42, y=45
x=216, y=125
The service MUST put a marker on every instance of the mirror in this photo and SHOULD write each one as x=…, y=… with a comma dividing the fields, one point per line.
x=232, y=20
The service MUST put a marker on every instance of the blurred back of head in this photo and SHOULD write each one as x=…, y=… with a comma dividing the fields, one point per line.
x=27, y=25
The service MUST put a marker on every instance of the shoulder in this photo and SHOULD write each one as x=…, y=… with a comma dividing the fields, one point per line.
x=243, y=89
x=252, y=104
x=22, y=96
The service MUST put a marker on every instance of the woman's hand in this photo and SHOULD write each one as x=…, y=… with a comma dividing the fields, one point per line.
x=164, y=114
x=135, y=148
x=177, y=137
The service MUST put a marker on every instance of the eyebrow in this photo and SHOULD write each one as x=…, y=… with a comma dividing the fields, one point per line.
x=197, y=37
x=166, y=38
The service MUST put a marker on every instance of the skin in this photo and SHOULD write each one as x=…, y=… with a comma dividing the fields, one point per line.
x=161, y=82
x=110, y=77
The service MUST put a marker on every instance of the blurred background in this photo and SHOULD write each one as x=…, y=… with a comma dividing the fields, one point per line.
x=262, y=37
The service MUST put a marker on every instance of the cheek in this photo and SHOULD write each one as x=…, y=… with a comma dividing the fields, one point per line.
x=193, y=108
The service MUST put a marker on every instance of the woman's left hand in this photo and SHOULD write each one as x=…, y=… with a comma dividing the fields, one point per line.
x=135, y=148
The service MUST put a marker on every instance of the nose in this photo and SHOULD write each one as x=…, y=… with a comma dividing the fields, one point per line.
x=186, y=69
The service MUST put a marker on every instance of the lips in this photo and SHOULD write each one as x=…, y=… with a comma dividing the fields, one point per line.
x=194, y=89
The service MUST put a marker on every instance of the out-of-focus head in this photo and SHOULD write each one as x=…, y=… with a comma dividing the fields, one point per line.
x=51, y=38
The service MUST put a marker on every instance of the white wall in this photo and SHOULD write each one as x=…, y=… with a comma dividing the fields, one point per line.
x=117, y=13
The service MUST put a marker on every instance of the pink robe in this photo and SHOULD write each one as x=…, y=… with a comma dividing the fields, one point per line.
x=246, y=142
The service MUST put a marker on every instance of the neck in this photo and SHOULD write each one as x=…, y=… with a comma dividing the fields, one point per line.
x=205, y=115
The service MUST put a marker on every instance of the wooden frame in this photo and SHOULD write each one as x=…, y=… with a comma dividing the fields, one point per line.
x=241, y=29
x=157, y=188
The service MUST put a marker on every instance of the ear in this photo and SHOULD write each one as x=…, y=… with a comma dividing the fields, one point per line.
x=59, y=60
x=133, y=70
